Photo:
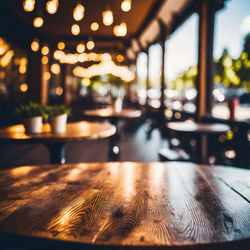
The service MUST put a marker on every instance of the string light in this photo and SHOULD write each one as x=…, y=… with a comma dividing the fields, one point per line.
x=29, y=5
x=120, y=58
x=107, y=17
x=126, y=5
x=105, y=67
x=75, y=29
x=22, y=69
x=38, y=22
x=120, y=30
x=61, y=45
x=35, y=45
x=45, y=50
x=94, y=26
x=90, y=45
x=78, y=12
x=69, y=58
x=3, y=46
x=52, y=6
x=85, y=82
x=47, y=76
x=55, y=68
x=80, y=48
x=59, y=90
x=6, y=59
x=58, y=54
x=45, y=60
x=23, y=87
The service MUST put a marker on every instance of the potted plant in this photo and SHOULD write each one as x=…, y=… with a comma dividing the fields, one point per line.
x=58, y=117
x=31, y=115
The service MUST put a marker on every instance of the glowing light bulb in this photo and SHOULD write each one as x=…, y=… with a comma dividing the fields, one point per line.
x=78, y=12
x=23, y=87
x=61, y=45
x=120, y=30
x=90, y=45
x=94, y=26
x=58, y=54
x=59, y=91
x=126, y=5
x=22, y=69
x=123, y=29
x=75, y=29
x=120, y=58
x=45, y=60
x=29, y=5
x=52, y=6
x=85, y=82
x=107, y=17
x=45, y=50
x=38, y=22
x=55, y=68
x=35, y=45
x=47, y=76
x=80, y=48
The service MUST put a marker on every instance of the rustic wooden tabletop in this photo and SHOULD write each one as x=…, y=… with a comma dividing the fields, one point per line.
x=75, y=131
x=118, y=205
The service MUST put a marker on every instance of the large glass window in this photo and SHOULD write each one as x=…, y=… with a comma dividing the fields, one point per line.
x=155, y=63
x=181, y=66
x=141, y=77
x=231, y=92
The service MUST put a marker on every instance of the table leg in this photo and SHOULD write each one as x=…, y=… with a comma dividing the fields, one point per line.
x=202, y=156
x=57, y=152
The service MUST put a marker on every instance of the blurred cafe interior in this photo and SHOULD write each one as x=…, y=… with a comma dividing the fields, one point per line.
x=124, y=124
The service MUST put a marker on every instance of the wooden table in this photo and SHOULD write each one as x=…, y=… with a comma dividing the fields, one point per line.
x=110, y=113
x=201, y=131
x=56, y=143
x=159, y=205
x=113, y=117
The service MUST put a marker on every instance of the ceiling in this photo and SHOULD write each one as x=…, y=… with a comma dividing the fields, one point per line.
x=144, y=23
x=57, y=27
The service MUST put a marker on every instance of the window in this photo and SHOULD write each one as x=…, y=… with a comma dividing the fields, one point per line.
x=181, y=66
x=232, y=61
x=155, y=63
x=141, y=65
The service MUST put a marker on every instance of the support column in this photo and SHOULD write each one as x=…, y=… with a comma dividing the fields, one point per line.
x=205, y=58
x=35, y=77
x=65, y=82
x=147, y=82
x=163, y=85
x=205, y=69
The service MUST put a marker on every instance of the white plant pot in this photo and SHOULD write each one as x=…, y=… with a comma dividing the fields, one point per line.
x=58, y=123
x=118, y=105
x=33, y=125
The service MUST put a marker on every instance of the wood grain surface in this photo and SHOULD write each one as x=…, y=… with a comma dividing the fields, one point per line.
x=110, y=113
x=75, y=131
x=137, y=205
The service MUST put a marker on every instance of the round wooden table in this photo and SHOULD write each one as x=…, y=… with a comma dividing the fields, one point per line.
x=110, y=113
x=113, y=117
x=56, y=143
x=118, y=205
x=200, y=131
x=201, y=128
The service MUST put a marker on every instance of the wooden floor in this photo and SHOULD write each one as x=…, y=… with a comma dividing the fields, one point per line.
x=135, y=145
